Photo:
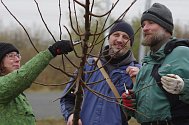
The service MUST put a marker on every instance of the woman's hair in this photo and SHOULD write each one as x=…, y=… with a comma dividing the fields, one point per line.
x=2, y=69
x=6, y=48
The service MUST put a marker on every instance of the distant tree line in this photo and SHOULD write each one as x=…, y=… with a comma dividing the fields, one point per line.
x=49, y=76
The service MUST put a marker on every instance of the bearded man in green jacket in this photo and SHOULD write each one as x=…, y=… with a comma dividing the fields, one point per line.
x=14, y=106
x=161, y=92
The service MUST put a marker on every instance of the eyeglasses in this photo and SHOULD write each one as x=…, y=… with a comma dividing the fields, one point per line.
x=12, y=56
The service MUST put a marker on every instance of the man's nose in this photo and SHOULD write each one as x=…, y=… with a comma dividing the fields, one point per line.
x=145, y=27
x=120, y=39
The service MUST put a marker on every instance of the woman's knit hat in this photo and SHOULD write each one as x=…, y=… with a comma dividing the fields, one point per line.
x=121, y=25
x=6, y=48
x=159, y=14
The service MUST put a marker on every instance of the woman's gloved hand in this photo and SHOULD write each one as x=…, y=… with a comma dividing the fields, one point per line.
x=61, y=47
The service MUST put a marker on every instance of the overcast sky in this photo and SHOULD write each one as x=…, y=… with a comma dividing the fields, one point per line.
x=26, y=11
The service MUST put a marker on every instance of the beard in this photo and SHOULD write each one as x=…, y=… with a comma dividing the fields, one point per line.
x=154, y=39
x=114, y=53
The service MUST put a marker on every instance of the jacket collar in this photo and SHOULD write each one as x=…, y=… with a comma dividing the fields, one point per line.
x=158, y=55
x=119, y=61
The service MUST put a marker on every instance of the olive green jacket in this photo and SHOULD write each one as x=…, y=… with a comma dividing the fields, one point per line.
x=152, y=103
x=14, y=106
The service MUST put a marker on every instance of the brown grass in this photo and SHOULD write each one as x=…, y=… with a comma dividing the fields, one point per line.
x=51, y=122
x=62, y=122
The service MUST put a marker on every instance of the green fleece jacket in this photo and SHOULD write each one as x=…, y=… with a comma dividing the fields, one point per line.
x=14, y=106
x=152, y=103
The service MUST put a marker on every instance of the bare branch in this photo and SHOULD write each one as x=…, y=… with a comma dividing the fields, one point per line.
x=44, y=21
x=20, y=25
x=83, y=5
x=60, y=11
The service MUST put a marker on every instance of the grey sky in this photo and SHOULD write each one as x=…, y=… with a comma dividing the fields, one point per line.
x=26, y=11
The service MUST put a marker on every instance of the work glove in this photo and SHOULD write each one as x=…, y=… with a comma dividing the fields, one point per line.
x=172, y=83
x=129, y=100
x=61, y=47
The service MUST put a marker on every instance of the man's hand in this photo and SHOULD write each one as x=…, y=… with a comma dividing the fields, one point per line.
x=61, y=47
x=70, y=120
x=172, y=83
x=132, y=71
x=129, y=100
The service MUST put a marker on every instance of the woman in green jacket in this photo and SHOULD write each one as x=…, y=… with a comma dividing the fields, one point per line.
x=14, y=106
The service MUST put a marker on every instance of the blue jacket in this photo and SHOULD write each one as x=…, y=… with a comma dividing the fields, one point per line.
x=95, y=110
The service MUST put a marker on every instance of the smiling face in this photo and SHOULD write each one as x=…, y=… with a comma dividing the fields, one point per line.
x=10, y=62
x=119, y=43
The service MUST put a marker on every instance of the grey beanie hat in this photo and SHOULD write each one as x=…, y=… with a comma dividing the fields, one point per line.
x=121, y=25
x=161, y=15
x=6, y=48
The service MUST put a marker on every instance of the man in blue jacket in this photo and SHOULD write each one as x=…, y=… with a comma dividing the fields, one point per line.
x=117, y=56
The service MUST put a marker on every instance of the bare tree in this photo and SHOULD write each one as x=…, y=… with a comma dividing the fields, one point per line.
x=89, y=38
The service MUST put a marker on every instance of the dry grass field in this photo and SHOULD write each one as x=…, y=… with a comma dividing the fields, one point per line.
x=51, y=122
x=61, y=122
